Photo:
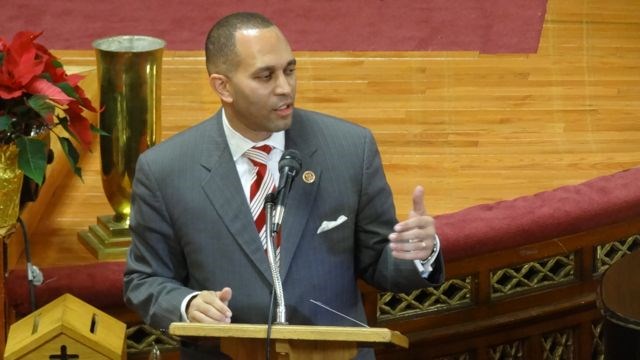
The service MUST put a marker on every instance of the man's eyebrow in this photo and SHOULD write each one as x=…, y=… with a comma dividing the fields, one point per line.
x=271, y=68
x=268, y=68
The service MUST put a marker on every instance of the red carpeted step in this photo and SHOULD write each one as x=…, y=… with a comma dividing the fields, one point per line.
x=490, y=26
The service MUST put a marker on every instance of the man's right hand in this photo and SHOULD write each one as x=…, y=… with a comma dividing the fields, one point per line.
x=210, y=307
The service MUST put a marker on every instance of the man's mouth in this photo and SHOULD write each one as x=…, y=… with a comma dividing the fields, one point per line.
x=284, y=109
x=283, y=106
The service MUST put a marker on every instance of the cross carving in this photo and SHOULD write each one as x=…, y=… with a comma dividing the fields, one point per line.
x=63, y=354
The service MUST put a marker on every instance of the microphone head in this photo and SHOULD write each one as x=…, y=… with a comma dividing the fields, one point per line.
x=290, y=161
x=270, y=198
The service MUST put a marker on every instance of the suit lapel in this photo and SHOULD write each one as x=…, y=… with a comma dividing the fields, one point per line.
x=302, y=195
x=222, y=186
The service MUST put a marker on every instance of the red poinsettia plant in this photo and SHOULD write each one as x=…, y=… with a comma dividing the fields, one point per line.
x=37, y=95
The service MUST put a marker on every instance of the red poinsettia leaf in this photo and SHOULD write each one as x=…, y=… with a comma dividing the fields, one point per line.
x=44, y=51
x=26, y=35
x=9, y=93
x=74, y=107
x=54, y=71
x=27, y=66
x=84, y=100
x=22, y=41
x=74, y=79
x=64, y=122
x=81, y=127
x=43, y=87
x=21, y=60
x=77, y=92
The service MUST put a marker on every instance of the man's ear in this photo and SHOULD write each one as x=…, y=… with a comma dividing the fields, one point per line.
x=220, y=84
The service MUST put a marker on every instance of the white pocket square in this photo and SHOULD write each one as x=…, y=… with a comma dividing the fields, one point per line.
x=328, y=225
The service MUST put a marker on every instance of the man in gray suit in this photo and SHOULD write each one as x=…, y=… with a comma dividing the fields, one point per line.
x=196, y=254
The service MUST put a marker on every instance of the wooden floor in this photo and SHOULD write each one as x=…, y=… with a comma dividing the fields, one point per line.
x=472, y=128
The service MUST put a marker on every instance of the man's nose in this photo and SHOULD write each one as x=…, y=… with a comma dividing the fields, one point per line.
x=283, y=86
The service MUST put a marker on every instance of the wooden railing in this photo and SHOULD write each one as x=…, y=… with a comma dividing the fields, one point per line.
x=531, y=302
x=521, y=281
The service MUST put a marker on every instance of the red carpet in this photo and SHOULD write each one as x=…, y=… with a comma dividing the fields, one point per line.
x=489, y=26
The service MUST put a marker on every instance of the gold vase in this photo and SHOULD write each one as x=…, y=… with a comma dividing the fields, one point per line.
x=129, y=72
x=10, y=186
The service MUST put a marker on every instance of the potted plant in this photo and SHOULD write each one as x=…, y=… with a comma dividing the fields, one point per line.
x=36, y=96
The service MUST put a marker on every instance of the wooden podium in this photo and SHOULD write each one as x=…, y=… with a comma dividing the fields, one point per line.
x=247, y=341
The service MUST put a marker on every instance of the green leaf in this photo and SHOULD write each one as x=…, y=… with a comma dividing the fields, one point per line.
x=72, y=155
x=1, y=58
x=56, y=63
x=64, y=121
x=97, y=130
x=32, y=158
x=5, y=122
x=40, y=104
x=46, y=77
x=68, y=90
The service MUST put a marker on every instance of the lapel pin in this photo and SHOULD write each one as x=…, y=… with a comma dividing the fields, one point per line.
x=308, y=177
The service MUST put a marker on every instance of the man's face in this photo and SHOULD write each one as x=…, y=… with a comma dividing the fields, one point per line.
x=262, y=87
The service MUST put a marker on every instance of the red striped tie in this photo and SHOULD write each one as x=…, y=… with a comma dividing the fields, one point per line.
x=262, y=183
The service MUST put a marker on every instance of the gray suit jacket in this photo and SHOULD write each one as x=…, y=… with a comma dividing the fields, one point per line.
x=192, y=228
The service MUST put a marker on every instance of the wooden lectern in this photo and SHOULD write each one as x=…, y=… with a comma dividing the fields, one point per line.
x=247, y=341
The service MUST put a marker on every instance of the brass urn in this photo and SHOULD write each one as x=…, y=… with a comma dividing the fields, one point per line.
x=129, y=72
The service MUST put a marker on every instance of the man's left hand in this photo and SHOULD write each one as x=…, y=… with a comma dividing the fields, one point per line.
x=414, y=238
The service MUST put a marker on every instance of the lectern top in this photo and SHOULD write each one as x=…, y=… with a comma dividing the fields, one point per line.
x=292, y=332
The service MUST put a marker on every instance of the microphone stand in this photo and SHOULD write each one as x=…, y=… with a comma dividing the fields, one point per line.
x=281, y=315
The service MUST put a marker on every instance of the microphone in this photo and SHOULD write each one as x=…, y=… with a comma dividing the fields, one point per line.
x=281, y=312
x=289, y=167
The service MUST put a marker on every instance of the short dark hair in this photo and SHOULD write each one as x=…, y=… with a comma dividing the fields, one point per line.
x=220, y=47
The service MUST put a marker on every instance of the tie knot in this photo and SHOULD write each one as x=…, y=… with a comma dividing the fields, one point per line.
x=259, y=153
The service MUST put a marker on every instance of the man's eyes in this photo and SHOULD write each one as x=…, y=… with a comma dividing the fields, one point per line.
x=268, y=76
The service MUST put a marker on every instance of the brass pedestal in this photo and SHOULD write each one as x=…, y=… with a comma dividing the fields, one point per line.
x=107, y=240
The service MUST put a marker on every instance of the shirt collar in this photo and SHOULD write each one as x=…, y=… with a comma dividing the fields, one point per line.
x=239, y=144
